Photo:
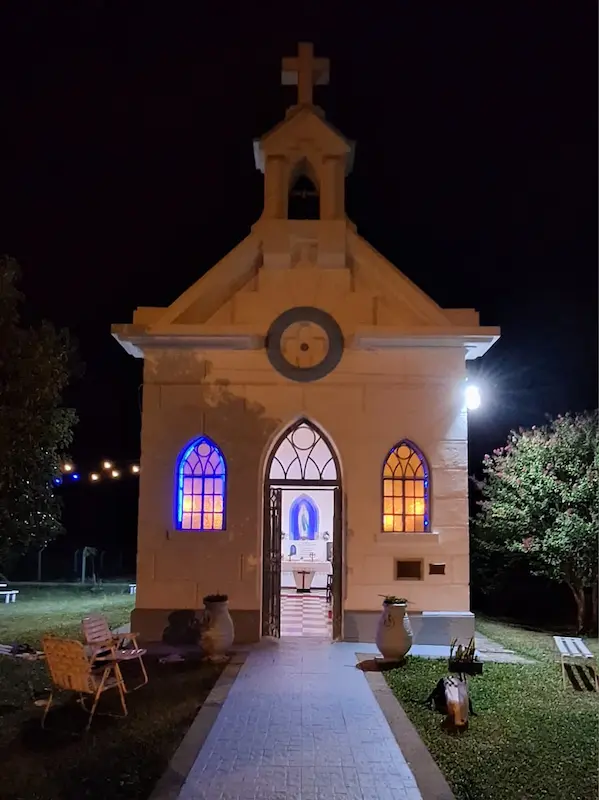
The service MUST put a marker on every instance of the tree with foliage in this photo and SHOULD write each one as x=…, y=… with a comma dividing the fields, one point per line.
x=35, y=366
x=540, y=498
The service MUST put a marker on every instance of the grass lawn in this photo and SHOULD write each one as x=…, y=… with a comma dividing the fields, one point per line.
x=120, y=758
x=531, y=740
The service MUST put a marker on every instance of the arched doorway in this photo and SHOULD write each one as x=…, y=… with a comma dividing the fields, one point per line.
x=302, y=523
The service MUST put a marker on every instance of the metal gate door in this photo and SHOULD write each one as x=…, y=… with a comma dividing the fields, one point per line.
x=338, y=564
x=271, y=557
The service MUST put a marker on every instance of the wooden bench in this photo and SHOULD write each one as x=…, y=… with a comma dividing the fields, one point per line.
x=10, y=595
x=574, y=649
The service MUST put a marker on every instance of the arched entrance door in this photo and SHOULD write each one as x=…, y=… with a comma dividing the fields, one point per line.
x=302, y=472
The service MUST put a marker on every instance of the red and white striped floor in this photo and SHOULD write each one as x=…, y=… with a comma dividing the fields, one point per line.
x=305, y=615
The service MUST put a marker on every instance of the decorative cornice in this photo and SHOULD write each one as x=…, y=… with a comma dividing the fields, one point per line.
x=136, y=339
x=475, y=342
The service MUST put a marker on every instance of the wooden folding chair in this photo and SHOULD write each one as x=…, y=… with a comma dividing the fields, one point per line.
x=107, y=646
x=72, y=670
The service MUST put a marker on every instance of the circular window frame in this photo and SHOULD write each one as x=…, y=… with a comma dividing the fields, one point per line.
x=304, y=314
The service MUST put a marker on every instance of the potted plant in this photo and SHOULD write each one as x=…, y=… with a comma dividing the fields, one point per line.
x=218, y=631
x=394, y=632
x=464, y=660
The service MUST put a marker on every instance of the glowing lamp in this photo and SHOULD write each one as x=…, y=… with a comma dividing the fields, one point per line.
x=75, y=476
x=94, y=476
x=67, y=467
x=115, y=473
x=135, y=469
x=107, y=465
x=473, y=399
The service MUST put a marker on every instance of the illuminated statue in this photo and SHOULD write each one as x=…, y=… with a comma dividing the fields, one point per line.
x=304, y=522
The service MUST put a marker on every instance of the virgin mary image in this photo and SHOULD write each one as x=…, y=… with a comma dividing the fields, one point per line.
x=304, y=522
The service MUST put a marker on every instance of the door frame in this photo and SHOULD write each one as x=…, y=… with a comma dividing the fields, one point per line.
x=336, y=486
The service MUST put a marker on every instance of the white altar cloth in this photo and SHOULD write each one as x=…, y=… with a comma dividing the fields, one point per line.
x=304, y=581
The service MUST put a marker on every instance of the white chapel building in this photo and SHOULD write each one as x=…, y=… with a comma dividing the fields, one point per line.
x=304, y=427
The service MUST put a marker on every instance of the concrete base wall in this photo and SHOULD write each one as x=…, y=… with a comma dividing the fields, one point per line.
x=151, y=624
x=429, y=627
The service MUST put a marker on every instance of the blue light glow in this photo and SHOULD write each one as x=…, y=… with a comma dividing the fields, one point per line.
x=303, y=518
x=200, y=487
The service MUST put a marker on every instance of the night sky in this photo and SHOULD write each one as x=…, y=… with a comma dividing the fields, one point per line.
x=128, y=172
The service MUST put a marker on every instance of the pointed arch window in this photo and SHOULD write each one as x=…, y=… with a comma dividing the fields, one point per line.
x=406, y=505
x=303, y=455
x=201, y=487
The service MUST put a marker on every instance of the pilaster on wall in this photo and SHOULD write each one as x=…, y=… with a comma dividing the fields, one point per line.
x=332, y=193
x=275, y=187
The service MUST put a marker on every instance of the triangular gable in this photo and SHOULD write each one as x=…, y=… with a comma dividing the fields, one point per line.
x=401, y=302
x=217, y=286
x=301, y=126
x=375, y=272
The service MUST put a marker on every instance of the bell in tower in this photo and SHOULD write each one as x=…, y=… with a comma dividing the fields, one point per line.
x=304, y=198
x=305, y=162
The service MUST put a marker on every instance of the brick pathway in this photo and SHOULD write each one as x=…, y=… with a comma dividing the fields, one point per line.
x=301, y=723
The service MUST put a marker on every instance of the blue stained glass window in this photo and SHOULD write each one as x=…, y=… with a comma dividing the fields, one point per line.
x=201, y=487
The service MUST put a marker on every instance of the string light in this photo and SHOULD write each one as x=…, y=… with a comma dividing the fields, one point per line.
x=108, y=469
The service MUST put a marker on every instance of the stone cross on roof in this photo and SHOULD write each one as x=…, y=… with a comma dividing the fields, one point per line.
x=305, y=71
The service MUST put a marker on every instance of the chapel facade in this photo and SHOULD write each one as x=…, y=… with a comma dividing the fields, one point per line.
x=304, y=427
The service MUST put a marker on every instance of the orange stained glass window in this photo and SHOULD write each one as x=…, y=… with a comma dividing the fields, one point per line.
x=405, y=490
x=201, y=484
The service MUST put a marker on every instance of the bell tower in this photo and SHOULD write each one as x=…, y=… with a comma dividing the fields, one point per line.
x=305, y=161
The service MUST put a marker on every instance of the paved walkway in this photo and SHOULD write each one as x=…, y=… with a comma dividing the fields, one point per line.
x=301, y=723
x=489, y=650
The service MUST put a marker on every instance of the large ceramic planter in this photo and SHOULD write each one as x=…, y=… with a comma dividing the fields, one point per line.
x=218, y=631
x=394, y=632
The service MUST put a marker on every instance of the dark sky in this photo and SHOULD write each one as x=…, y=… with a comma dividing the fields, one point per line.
x=128, y=171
